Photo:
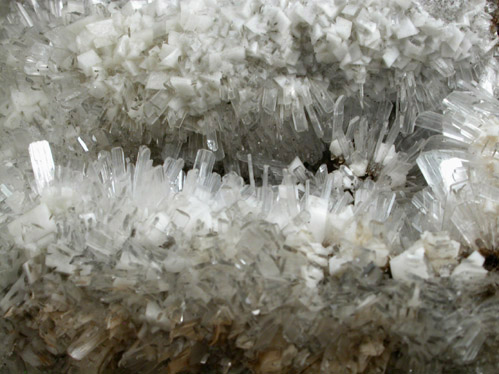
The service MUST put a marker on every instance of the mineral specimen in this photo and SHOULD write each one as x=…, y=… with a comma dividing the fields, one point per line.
x=248, y=187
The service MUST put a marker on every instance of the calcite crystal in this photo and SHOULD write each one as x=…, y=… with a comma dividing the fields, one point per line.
x=248, y=187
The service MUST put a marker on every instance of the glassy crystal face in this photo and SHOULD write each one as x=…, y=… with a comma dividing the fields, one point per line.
x=256, y=187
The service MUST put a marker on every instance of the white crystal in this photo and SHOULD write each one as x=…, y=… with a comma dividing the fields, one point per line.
x=42, y=163
x=88, y=61
x=471, y=268
x=410, y=265
x=33, y=225
x=406, y=28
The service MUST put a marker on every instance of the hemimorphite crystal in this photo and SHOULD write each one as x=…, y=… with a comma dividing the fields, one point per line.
x=184, y=213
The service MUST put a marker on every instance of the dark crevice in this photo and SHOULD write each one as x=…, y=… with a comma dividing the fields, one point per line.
x=491, y=256
x=331, y=162
x=491, y=260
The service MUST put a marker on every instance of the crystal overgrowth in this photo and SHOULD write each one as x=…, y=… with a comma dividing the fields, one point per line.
x=120, y=257
x=136, y=258
x=232, y=75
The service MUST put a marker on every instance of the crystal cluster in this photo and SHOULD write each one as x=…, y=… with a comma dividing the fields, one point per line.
x=248, y=187
x=236, y=75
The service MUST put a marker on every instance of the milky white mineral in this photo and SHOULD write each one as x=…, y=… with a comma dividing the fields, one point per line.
x=257, y=186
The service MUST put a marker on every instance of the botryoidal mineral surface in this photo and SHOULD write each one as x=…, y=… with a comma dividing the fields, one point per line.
x=248, y=187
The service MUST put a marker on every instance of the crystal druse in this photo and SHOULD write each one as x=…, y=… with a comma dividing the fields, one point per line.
x=250, y=186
